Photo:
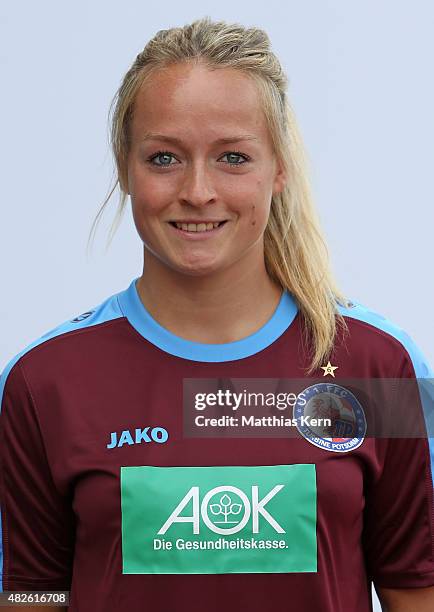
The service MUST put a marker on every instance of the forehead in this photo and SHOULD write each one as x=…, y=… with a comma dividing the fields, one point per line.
x=193, y=98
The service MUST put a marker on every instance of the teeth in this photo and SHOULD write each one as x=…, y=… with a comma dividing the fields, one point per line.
x=197, y=227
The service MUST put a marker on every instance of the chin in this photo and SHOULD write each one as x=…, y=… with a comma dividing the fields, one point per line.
x=197, y=268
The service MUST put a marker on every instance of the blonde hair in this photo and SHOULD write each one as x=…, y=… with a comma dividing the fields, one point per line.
x=296, y=255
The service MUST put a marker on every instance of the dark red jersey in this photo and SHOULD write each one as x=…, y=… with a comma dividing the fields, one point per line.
x=103, y=492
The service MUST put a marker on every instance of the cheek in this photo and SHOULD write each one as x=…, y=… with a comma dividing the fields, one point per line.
x=258, y=217
x=259, y=204
x=148, y=192
x=143, y=213
x=145, y=206
x=253, y=215
x=148, y=199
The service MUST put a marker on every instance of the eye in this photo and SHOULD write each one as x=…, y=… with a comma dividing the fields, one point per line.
x=157, y=155
x=167, y=154
x=237, y=154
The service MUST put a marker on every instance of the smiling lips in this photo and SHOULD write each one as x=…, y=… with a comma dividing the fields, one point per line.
x=197, y=226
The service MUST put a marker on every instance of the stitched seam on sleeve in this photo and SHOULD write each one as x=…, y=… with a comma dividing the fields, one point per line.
x=39, y=427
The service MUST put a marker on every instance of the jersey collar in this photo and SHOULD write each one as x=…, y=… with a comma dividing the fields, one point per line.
x=139, y=317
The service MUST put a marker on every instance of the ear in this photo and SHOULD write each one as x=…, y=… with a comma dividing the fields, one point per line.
x=280, y=179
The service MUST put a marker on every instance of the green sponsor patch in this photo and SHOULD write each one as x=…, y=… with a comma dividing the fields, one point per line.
x=219, y=519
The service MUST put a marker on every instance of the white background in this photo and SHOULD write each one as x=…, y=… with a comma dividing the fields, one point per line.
x=361, y=84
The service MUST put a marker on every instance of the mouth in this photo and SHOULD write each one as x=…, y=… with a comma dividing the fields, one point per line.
x=193, y=227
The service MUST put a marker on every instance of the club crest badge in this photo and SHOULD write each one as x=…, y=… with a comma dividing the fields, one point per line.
x=345, y=428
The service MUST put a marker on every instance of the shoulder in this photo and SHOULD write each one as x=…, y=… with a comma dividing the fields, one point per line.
x=376, y=330
x=84, y=323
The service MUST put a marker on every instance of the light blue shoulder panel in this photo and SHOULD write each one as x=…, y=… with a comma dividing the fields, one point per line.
x=106, y=311
x=423, y=370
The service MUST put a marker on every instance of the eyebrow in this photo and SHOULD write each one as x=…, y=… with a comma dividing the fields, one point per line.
x=227, y=140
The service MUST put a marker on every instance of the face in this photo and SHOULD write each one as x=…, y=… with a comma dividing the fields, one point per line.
x=182, y=188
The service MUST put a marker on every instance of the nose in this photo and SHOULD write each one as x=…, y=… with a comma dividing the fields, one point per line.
x=197, y=188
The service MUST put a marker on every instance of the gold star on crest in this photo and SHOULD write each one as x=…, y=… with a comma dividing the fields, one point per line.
x=329, y=369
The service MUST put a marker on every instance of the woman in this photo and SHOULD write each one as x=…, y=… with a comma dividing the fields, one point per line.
x=103, y=492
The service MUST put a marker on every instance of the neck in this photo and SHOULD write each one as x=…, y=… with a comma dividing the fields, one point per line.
x=220, y=307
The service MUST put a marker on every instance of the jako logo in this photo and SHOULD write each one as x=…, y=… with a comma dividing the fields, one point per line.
x=225, y=510
x=157, y=434
x=82, y=316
